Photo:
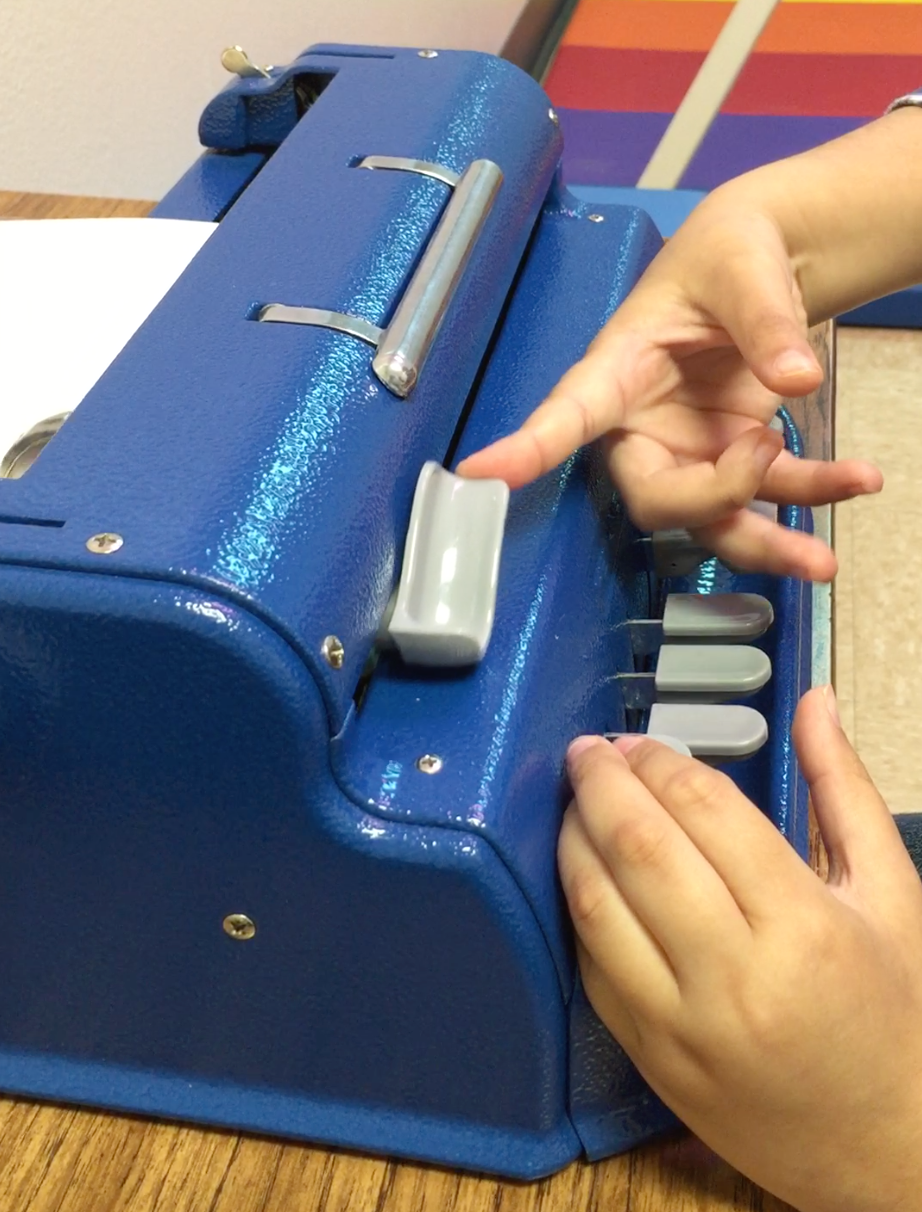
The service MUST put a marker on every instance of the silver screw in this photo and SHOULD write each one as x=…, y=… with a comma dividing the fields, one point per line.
x=428, y=54
x=238, y=926
x=429, y=763
x=104, y=543
x=552, y=114
x=333, y=652
x=596, y=218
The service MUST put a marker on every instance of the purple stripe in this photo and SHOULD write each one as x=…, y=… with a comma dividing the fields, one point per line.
x=737, y=142
x=608, y=148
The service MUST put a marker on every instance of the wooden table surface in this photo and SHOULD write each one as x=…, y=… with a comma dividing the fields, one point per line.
x=58, y=1159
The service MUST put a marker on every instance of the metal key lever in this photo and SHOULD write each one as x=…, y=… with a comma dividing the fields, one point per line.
x=402, y=347
x=703, y=673
x=728, y=618
x=714, y=733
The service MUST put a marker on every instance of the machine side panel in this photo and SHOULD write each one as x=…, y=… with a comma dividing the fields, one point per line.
x=165, y=765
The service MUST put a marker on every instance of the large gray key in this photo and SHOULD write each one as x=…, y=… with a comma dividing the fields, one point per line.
x=706, y=673
x=726, y=618
x=442, y=613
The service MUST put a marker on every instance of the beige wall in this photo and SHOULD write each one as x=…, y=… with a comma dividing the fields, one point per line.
x=103, y=96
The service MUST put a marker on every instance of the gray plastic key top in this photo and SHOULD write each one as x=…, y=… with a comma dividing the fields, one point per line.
x=704, y=673
x=765, y=509
x=715, y=732
x=674, y=744
x=727, y=618
x=676, y=554
x=731, y=671
x=716, y=616
x=443, y=612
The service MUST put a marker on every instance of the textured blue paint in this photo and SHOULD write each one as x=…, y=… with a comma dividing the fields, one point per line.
x=210, y=186
x=174, y=747
x=570, y=573
x=236, y=430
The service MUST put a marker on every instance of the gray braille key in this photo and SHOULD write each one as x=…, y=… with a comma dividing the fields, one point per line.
x=765, y=509
x=711, y=732
x=676, y=554
x=706, y=673
x=674, y=744
x=727, y=618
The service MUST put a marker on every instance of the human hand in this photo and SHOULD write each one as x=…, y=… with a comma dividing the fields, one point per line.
x=779, y=1016
x=681, y=384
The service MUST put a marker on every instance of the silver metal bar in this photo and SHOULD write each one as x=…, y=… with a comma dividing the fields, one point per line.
x=814, y=416
x=408, y=338
x=317, y=317
x=638, y=690
x=423, y=168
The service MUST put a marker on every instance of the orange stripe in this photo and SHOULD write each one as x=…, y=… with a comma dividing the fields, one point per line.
x=687, y=25
x=843, y=29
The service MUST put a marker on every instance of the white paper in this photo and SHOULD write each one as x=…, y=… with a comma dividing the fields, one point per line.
x=72, y=293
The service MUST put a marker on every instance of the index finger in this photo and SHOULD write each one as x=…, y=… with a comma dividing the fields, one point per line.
x=664, y=878
x=587, y=402
x=751, y=857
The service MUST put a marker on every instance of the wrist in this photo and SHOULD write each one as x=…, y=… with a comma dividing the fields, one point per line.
x=849, y=213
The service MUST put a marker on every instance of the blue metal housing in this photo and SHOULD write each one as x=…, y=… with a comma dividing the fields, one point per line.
x=175, y=747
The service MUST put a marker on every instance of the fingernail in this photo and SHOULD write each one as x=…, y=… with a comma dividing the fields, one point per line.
x=829, y=697
x=628, y=741
x=581, y=744
x=770, y=442
x=791, y=363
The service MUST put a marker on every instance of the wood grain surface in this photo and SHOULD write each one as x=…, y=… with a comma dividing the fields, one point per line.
x=57, y=1159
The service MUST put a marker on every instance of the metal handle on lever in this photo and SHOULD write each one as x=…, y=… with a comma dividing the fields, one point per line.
x=402, y=348
x=408, y=338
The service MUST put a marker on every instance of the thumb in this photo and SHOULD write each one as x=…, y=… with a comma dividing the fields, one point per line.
x=858, y=831
x=758, y=310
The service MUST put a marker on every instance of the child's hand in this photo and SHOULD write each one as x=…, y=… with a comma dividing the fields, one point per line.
x=683, y=381
x=780, y=1017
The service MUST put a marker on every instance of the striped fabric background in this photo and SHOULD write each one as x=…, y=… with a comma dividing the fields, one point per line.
x=818, y=69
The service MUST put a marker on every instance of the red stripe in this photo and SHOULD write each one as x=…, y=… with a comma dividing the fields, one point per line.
x=642, y=81
x=826, y=86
